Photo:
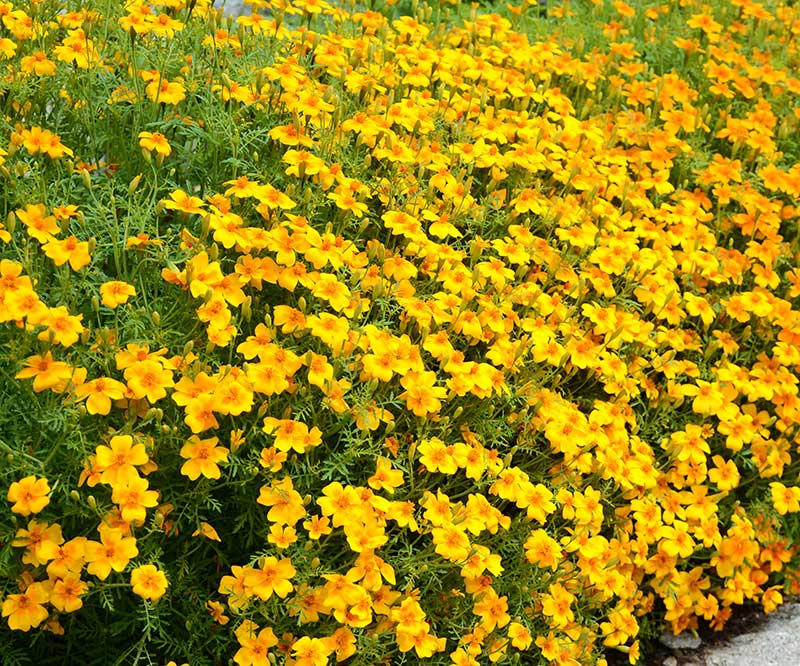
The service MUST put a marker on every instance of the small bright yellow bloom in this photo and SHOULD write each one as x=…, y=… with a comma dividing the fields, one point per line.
x=29, y=495
x=149, y=582
x=155, y=142
x=26, y=610
x=116, y=293
x=202, y=457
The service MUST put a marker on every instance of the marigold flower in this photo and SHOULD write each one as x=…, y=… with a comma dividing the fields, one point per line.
x=254, y=646
x=203, y=456
x=47, y=373
x=38, y=224
x=99, y=393
x=163, y=91
x=134, y=499
x=37, y=63
x=29, y=495
x=40, y=541
x=185, y=203
x=117, y=461
x=309, y=651
x=149, y=582
x=116, y=293
x=386, y=477
x=66, y=593
x=70, y=250
x=26, y=610
x=62, y=327
x=785, y=499
x=272, y=577
x=148, y=379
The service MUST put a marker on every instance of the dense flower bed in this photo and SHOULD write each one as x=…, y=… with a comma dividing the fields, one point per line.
x=394, y=333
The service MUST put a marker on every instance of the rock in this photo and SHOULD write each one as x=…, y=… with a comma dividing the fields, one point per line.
x=775, y=643
x=232, y=7
x=681, y=641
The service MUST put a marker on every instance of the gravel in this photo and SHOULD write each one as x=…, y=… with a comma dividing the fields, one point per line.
x=774, y=641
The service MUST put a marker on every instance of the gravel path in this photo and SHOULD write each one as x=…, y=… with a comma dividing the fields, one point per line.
x=773, y=641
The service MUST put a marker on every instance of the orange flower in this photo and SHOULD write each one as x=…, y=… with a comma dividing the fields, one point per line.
x=116, y=293
x=202, y=457
x=149, y=582
x=117, y=462
x=99, y=393
x=271, y=578
x=26, y=610
x=148, y=379
x=134, y=499
x=29, y=495
x=46, y=373
x=114, y=551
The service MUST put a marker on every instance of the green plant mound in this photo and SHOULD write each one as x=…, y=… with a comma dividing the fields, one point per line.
x=394, y=333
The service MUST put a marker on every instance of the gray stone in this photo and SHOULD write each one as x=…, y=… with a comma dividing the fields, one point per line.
x=776, y=642
x=232, y=7
x=685, y=641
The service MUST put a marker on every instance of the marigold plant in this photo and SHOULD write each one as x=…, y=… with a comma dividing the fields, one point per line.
x=395, y=332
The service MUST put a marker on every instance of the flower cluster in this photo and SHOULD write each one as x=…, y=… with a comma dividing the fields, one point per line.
x=420, y=333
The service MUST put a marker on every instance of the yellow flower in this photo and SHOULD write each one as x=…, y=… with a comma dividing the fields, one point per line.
x=46, y=372
x=99, y=393
x=113, y=551
x=29, y=495
x=183, y=202
x=66, y=593
x=207, y=530
x=785, y=500
x=163, y=91
x=149, y=582
x=26, y=610
x=134, y=499
x=202, y=457
x=38, y=63
x=310, y=651
x=271, y=578
x=71, y=250
x=155, y=142
x=117, y=462
x=385, y=477
x=116, y=293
